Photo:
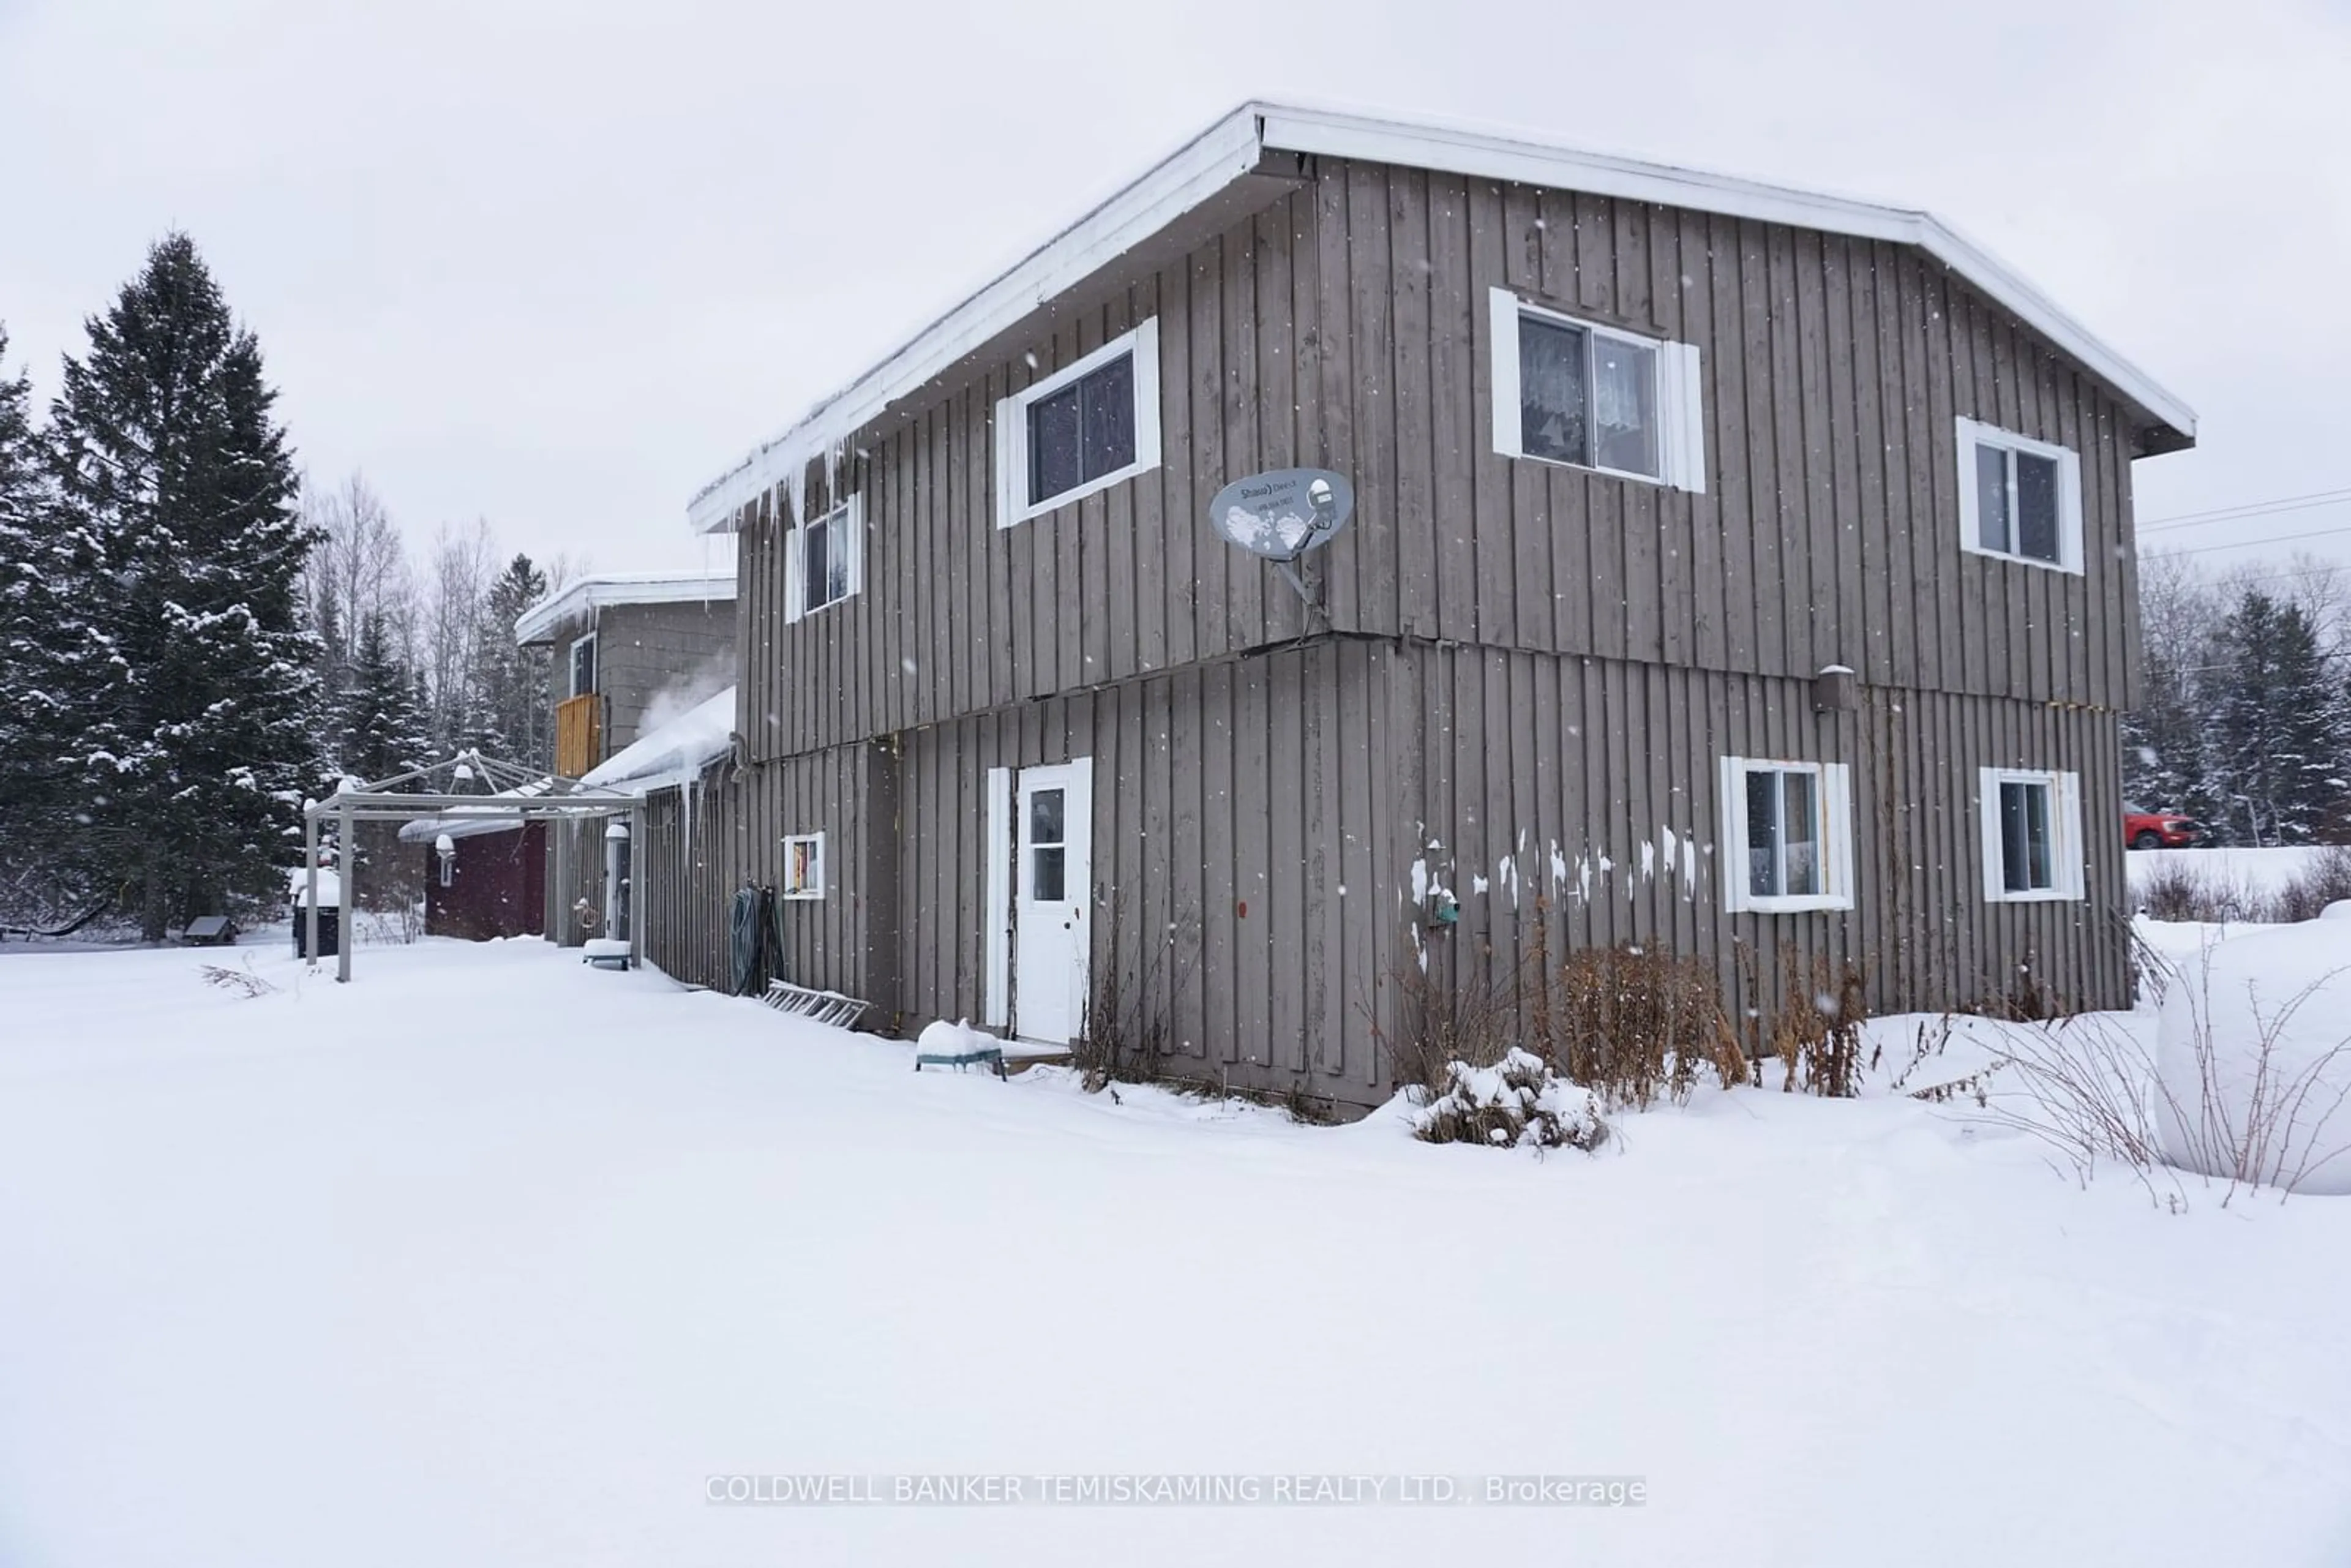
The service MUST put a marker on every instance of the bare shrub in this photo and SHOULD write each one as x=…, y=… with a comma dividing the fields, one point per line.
x=1518, y=1101
x=1817, y=1033
x=1476, y=1023
x=242, y=982
x=1633, y=1023
x=2179, y=891
x=2091, y=1091
x=2086, y=1090
x=2326, y=880
x=2272, y=1138
x=1130, y=1017
x=1927, y=1043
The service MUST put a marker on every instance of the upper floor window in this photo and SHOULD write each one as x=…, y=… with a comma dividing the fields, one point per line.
x=2019, y=498
x=1080, y=430
x=2031, y=834
x=1789, y=829
x=583, y=665
x=824, y=560
x=1574, y=391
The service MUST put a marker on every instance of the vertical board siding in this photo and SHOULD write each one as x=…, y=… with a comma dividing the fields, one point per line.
x=1524, y=819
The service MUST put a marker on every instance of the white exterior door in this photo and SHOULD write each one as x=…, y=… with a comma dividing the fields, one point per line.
x=1052, y=869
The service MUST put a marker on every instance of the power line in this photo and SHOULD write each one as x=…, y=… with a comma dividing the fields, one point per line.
x=2259, y=544
x=2248, y=509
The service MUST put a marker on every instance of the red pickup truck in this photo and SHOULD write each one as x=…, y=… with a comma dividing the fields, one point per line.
x=2160, y=829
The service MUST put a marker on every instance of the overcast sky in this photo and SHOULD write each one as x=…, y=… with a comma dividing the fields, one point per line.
x=557, y=265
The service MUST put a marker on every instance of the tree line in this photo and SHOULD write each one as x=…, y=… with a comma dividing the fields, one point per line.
x=193, y=640
x=2244, y=720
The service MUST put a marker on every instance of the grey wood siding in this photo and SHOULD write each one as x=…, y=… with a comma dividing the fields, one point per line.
x=1570, y=789
x=1346, y=326
x=670, y=655
x=1237, y=827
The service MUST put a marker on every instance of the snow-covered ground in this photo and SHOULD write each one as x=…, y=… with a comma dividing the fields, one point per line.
x=490, y=1258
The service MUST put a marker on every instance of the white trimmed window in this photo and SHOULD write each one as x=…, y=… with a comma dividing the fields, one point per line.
x=803, y=866
x=1574, y=392
x=583, y=665
x=1787, y=828
x=824, y=560
x=2019, y=499
x=2031, y=834
x=1081, y=429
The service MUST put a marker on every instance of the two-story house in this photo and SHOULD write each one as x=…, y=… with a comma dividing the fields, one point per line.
x=1733, y=570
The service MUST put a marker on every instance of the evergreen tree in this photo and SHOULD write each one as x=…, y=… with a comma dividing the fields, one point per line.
x=2277, y=765
x=382, y=727
x=199, y=735
x=40, y=565
x=513, y=681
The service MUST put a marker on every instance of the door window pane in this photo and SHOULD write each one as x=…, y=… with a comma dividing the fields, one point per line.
x=1056, y=462
x=1992, y=497
x=1045, y=880
x=1108, y=399
x=2036, y=507
x=1802, y=833
x=1763, y=834
x=1551, y=392
x=1045, y=817
x=1625, y=406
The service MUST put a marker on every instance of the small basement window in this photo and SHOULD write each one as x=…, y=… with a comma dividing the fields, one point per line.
x=2019, y=498
x=1080, y=430
x=583, y=665
x=1788, y=828
x=803, y=866
x=2031, y=834
x=1577, y=393
x=824, y=560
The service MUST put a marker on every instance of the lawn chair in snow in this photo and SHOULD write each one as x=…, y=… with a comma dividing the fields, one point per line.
x=957, y=1045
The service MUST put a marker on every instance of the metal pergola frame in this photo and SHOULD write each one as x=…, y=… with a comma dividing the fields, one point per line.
x=387, y=799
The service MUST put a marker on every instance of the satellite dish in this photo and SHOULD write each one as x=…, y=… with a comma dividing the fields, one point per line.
x=1283, y=514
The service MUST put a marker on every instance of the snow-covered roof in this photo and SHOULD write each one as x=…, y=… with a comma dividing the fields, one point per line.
x=576, y=599
x=466, y=822
x=1233, y=148
x=673, y=753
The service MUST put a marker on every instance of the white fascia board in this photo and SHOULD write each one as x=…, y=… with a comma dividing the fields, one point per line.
x=537, y=623
x=1204, y=166
x=1484, y=155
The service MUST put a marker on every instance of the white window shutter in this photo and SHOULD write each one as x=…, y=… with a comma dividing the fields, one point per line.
x=853, y=532
x=1147, y=395
x=793, y=598
x=1503, y=372
x=1011, y=460
x=1730, y=864
x=1682, y=397
x=1836, y=789
x=1995, y=877
x=2069, y=505
x=1971, y=530
x=2074, y=878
